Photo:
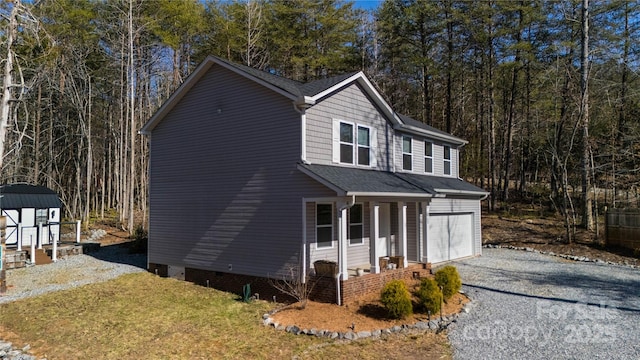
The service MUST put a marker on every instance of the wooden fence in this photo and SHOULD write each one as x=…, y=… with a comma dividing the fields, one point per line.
x=622, y=228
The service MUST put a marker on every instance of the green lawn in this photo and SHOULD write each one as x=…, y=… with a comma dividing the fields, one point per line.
x=142, y=316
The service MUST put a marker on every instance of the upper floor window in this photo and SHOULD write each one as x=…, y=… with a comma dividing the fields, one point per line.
x=324, y=225
x=355, y=225
x=364, y=146
x=447, y=160
x=407, y=154
x=428, y=157
x=353, y=143
x=346, y=143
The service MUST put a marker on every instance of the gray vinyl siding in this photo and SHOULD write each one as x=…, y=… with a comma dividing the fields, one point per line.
x=356, y=254
x=452, y=206
x=418, y=156
x=359, y=254
x=352, y=105
x=224, y=188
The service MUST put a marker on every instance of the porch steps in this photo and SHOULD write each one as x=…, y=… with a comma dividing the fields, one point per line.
x=42, y=258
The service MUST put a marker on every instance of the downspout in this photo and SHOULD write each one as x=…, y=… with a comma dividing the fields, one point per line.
x=301, y=105
x=341, y=253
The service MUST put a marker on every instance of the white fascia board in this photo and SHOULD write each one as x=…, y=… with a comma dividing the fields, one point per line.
x=432, y=135
x=305, y=102
x=462, y=192
x=369, y=88
x=388, y=194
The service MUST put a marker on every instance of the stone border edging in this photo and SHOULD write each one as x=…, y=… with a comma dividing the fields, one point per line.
x=564, y=256
x=9, y=352
x=435, y=326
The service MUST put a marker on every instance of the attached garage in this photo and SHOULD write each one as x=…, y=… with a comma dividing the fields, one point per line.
x=449, y=236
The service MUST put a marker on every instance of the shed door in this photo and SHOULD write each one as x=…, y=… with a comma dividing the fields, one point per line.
x=449, y=237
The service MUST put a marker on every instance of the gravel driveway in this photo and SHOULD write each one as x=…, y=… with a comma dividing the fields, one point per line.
x=107, y=263
x=532, y=306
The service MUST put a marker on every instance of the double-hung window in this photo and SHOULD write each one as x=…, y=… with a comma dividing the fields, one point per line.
x=428, y=157
x=346, y=143
x=364, y=146
x=447, y=160
x=324, y=226
x=355, y=144
x=355, y=225
x=407, y=153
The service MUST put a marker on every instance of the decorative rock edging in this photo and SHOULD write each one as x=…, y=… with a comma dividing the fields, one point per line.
x=564, y=256
x=8, y=352
x=435, y=326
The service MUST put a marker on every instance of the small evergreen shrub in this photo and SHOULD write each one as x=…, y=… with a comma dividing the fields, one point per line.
x=396, y=299
x=449, y=279
x=140, y=241
x=429, y=295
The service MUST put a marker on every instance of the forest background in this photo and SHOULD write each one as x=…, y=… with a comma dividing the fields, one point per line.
x=546, y=92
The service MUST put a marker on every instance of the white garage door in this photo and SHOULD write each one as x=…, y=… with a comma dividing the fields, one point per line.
x=450, y=236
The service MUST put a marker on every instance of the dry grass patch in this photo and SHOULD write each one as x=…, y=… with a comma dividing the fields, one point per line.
x=144, y=316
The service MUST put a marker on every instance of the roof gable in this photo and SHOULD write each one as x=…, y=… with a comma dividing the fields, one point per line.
x=303, y=95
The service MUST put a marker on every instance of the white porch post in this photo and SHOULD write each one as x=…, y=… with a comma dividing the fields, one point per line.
x=402, y=230
x=342, y=241
x=303, y=256
x=425, y=230
x=374, y=234
x=19, y=236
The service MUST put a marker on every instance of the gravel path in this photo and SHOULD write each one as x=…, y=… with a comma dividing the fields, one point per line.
x=532, y=306
x=107, y=263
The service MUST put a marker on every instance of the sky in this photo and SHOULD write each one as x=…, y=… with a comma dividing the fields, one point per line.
x=367, y=4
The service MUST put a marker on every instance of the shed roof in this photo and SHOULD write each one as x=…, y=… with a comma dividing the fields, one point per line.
x=18, y=196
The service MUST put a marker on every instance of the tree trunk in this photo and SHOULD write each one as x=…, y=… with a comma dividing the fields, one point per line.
x=587, y=215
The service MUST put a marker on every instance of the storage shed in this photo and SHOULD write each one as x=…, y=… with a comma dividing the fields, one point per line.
x=26, y=207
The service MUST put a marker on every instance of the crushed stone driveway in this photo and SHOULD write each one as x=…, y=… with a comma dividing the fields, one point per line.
x=528, y=305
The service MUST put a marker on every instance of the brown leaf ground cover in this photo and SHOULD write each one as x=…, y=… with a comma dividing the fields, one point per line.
x=365, y=314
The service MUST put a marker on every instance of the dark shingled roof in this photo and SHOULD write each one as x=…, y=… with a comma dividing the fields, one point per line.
x=412, y=122
x=293, y=87
x=372, y=181
x=437, y=184
x=362, y=180
x=18, y=196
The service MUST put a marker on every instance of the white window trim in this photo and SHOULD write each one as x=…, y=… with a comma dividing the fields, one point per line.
x=373, y=145
x=445, y=161
x=428, y=157
x=357, y=157
x=361, y=225
x=354, y=136
x=323, y=226
x=405, y=153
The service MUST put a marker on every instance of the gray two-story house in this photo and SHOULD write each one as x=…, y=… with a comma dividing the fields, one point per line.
x=252, y=174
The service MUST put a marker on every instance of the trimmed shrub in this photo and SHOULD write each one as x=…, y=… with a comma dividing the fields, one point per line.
x=429, y=295
x=396, y=299
x=449, y=279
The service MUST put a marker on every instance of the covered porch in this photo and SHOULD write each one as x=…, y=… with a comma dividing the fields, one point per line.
x=380, y=223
